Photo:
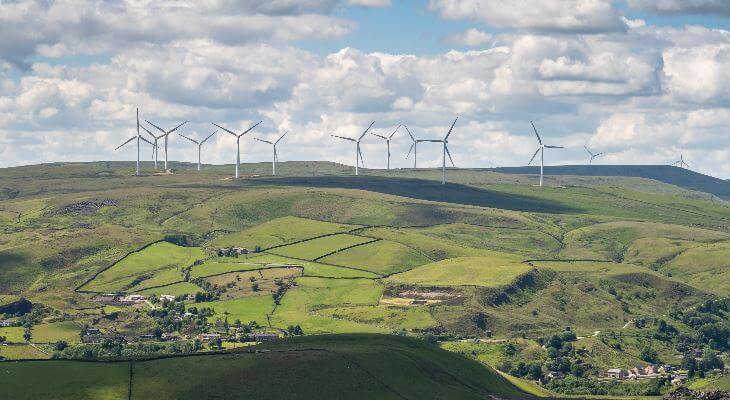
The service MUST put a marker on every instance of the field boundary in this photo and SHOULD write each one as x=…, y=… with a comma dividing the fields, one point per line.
x=347, y=248
x=86, y=282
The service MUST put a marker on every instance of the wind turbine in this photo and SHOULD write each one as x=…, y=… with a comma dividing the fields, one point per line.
x=238, y=143
x=276, y=155
x=358, y=153
x=138, y=137
x=156, y=147
x=387, y=141
x=444, y=142
x=591, y=154
x=541, y=150
x=680, y=163
x=414, y=147
x=166, y=135
x=198, y=143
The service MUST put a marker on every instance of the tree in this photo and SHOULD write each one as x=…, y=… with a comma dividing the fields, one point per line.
x=649, y=355
x=60, y=345
x=690, y=364
x=27, y=335
x=534, y=371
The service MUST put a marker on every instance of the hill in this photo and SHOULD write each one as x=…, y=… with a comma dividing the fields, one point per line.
x=672, y=175
x=322, y=367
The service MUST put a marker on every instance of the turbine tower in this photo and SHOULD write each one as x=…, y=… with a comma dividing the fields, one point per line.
x=414, y=147
x=680, y=163
x=541, y=150
x=138, y=137
x=387, y=141
x=444, y=142
x=198, y=143
x=276, y=155
x=166, y=135
x=238, y=143
x=591, y=154
x=358, y=153
x=155, y=146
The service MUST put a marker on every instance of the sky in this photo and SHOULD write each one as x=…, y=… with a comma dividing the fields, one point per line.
x=642, y=81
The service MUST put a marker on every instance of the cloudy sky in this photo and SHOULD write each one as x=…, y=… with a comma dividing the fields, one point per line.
x=642, y=80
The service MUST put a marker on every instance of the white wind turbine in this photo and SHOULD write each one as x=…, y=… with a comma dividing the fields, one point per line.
x=155, y=146
x=166, y=135
x=541, y=150
x=138, y=137
x=238, y=143
x=198, y=143
x=592, y=155
x=444, y=142
x=358, y=153
x=414, y=147
x=275, y=160
x=387, y=141
x=680, y=163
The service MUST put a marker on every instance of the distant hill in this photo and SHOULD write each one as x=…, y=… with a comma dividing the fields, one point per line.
x=681, y=177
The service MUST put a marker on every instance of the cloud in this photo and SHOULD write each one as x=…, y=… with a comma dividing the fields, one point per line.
x=71, y=27
x=698, y=74
x=369, y=3
x=704, y=7
x=472, y=38
x=585, y=16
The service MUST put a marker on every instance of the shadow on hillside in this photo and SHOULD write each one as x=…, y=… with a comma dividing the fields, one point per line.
x=426, y=190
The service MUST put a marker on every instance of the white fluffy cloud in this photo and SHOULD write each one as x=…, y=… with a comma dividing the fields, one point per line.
x=471, y=37
x=588, y=16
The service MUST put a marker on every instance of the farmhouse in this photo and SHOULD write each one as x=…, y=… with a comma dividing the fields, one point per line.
x=167, y=297
x=116, y=299
x=550, y=375
x=616, y=373
x=7, y=322
x=233, y=251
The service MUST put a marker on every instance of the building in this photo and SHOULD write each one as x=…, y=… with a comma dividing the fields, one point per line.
x=7, y=322
x=651, y=369
x=550, y=375
x=616, y=373
x=665, y=369
x=167, y=297
x=116, y=299
x=637, y=371
x=170, y=337
x=265, y=337
x=206, y=337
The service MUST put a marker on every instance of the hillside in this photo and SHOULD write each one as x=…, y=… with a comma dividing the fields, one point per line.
x=493, y=269
x=672, y=175
x=323, y=367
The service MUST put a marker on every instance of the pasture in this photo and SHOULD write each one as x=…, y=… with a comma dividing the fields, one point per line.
x=498, y=270
x=382, y=257
x=316, y=248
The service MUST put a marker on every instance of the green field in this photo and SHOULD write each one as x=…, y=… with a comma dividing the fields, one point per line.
x=363, y=366
x=176, y=289
x=278, y=232
x=13, y=333
x=315, y=248
x=382, y=257
x=498, y=270
x=706, y=266
x=163, y=261
x=410, y=318
x=67, y=331
x=252, y=308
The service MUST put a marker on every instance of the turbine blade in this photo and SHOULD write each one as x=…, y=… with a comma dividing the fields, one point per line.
x=251, y=128
x=262, y=140
x=209, y=136
x=449, y=153
x=409, y=133
x=599, y=154
x=555, y=147
x=132, y=138
x=281, y=137
x=158, y=128
x=192, y=140
x=410, y=150
x=366, y=130
x=175, y=128
x=536, y=134
x=534, y=155
x=145, y=140
x=346, y=138
x=148, y=131
x=396, y=130
x=380, y=136
x=362, y=160
x=227, y=130
x=589, y=152
x=451, y=129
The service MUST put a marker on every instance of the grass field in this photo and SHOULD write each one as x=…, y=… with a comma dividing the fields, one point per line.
x=252, y=308
x=176, y=289
x=498, y=270
x=315, y=248
x=706, y=266
x=13, y=333
x=363, y=366
x=382, y=257
x=162, y=261
x=67, y=331
x=23, y=352
x=278, y=232
x=409, y=318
